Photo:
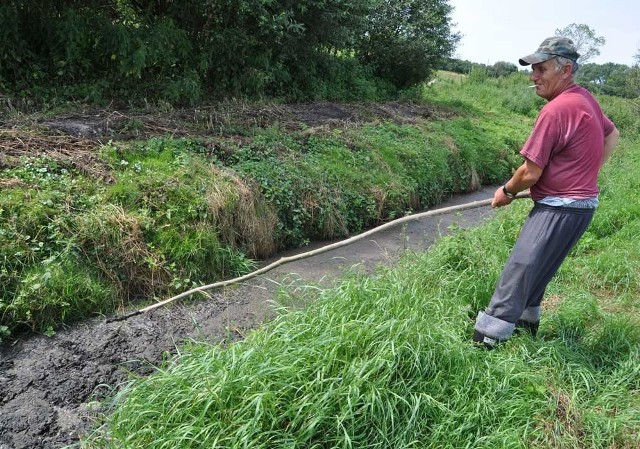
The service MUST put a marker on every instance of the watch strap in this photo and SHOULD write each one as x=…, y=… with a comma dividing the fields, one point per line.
x=507, y=193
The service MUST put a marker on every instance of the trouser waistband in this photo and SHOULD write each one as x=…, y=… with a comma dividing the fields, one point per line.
x=569, y=209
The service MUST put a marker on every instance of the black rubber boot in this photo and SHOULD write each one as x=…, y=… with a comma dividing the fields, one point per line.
x=527, y=326
x=482, y=339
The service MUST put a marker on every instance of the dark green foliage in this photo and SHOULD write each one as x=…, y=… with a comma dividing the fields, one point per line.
x=617, y=80
x=502, y=68
x=88, y=50
x=178, y=52
x=405, y=40
x=497, y=70
x=456, y=65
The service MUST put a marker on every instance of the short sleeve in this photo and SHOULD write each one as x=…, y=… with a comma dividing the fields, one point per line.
x=607, y=125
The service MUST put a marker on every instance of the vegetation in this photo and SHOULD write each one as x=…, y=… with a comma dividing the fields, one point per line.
x=72, y=246
x=497, y=70
x=149, y=218
x=88, y=228
x=406, y=39
x=101, y=51
x=585, y=39
x=386, y=360
x=611, y=79
x=618, y=80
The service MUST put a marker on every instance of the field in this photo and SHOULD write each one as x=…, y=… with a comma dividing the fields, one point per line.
x=378, y=360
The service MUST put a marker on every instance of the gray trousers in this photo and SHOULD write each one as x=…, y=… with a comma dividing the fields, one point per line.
x=547, y=236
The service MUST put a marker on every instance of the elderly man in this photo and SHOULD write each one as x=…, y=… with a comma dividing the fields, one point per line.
x=570, y=141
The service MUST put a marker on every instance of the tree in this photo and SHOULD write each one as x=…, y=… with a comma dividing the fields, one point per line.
x=502, y=68
x=181, y=50
x=633, y=78
x=618, y=80
x=585, y=39
x=456, y=65
x=406, y=40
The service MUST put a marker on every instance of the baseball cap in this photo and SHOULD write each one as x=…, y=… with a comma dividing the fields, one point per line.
x=552, y=47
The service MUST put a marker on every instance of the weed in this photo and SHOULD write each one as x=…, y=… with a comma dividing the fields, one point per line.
x=71, y=247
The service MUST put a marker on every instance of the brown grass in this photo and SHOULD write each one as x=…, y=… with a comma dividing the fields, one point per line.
x=323, y=211
x=72, y=152
x=243, y=217
x=12, y=183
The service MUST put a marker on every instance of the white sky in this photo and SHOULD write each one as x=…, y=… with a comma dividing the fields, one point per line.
x=506, y=30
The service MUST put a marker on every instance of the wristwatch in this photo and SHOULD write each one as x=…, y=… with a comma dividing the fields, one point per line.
x=507, y=193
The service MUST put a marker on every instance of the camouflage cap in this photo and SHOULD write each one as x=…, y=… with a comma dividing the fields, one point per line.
x=552, y=47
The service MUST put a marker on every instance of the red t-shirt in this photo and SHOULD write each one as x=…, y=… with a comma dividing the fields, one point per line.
x=567, y=142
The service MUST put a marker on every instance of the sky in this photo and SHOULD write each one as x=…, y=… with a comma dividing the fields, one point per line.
x=506, y=30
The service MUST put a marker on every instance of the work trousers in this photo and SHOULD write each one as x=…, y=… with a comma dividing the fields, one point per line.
x=547, y=236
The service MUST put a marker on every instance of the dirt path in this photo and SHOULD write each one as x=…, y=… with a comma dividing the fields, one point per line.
x=49, y=386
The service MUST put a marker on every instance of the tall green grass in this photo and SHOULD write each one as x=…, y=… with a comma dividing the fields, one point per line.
x=386, y=361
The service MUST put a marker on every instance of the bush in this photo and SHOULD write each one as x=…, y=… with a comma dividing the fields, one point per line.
x=478, y=75
x=180, y=52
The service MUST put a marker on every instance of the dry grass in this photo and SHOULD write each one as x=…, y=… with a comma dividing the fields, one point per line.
x=242, y=215
x=12, y=183
x=73, y=152
x=324, y=211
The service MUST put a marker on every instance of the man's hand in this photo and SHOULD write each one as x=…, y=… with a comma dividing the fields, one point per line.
x=525, y=176
x=500, y=199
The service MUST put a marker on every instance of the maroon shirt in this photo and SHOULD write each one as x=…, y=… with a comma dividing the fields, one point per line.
x=567, y=142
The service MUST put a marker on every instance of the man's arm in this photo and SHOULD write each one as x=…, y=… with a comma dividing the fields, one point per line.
x=525, y=176
x=610, y=143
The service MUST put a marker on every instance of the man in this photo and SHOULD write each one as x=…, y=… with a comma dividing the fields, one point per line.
x=570, y=141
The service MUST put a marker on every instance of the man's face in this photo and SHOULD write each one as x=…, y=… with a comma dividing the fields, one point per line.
x=550, y=80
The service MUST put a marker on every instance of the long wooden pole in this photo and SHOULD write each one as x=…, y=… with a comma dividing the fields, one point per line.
x=315, y=252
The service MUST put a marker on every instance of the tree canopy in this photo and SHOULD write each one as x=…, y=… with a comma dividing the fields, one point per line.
x=405, y=40
x=180, y=51
x=497, y=70
x=585, y=39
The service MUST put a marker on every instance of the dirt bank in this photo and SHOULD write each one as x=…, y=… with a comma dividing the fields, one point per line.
x=50, y=386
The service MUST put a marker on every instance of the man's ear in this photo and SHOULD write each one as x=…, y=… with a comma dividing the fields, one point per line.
x=566, y=70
